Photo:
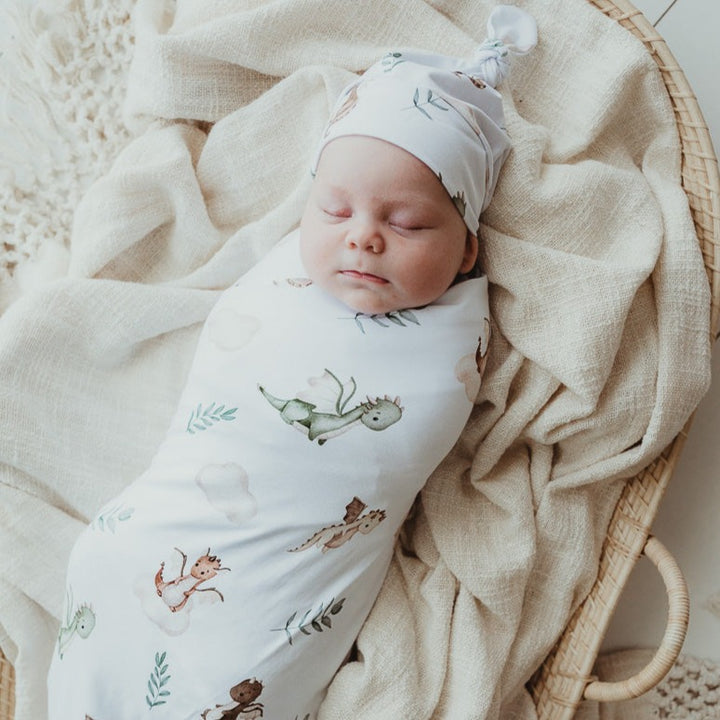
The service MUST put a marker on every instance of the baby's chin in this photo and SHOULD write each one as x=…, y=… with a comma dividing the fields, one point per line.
x=374, y=309
x=366, y=300
x=378, y=308
x=368, y=304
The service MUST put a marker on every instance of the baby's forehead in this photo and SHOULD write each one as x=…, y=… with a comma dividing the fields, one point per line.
x=364, y=165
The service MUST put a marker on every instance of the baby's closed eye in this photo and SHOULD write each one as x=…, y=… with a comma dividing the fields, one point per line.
x=411, y=224
x=341, y=213
x=410, y=227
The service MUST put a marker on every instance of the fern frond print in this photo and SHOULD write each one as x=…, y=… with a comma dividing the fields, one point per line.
x=396, y=317
x=202, y=419
x=318, y=622
x=156, y=684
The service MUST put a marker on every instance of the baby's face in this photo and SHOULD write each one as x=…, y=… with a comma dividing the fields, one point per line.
x=379, y=231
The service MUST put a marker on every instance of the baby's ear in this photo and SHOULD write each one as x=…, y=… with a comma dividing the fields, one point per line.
x=470, y=254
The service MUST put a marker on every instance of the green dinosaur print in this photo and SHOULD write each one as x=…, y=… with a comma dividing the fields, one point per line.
x=80, y=624
x=304, y=414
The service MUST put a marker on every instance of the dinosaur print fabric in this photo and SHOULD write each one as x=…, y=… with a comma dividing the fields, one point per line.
x=231, y=578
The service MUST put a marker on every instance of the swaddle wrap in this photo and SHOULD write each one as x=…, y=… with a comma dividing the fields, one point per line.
x=236, y=572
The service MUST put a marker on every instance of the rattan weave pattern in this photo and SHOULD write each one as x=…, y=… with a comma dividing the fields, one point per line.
x=559, y=685
x=7, y=689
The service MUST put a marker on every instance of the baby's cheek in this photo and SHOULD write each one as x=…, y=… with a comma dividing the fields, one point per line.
x=309, y=255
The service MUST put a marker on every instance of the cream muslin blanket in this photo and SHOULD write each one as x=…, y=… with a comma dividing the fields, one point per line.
x=600, y=345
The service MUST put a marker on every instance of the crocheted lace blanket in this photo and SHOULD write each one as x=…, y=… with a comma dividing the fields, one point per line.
x=690, y=691
x=63, y=69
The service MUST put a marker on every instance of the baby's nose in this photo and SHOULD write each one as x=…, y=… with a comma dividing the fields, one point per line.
x=365, y=235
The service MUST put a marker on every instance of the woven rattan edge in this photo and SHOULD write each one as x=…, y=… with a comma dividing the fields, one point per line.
x=558, y=685
x=667, y=653
x=7, y=689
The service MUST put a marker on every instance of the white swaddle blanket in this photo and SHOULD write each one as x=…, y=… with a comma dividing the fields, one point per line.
x=231, y=579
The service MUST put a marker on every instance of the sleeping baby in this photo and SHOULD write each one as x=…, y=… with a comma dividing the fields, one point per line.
x=231, y=579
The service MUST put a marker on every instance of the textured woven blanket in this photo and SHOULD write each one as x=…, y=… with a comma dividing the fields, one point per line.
x=600, y=340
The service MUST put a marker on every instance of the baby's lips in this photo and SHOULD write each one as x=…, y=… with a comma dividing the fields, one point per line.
x=364, y=276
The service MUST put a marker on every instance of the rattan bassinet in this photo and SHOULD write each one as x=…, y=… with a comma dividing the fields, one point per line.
x=565, y=676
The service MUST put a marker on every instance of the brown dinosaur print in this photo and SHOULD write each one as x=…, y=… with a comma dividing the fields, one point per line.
x=354, y=522
x=243, y=703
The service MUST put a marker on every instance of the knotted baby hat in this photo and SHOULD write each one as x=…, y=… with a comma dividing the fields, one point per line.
x=443, y=110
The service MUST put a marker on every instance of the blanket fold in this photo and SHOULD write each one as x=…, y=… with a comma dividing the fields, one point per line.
x=600, y=347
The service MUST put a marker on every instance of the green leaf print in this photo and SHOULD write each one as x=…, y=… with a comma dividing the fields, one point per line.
x=107, y=520
x=437, y=102
x=391, y=60
x=156, y=683
x=409, y=316
x=203, y=419
x=396, y=317
x=418, y=106
x=318, y=622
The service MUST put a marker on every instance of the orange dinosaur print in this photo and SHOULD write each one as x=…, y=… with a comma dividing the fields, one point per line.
x=175, y=593
x=354, y=522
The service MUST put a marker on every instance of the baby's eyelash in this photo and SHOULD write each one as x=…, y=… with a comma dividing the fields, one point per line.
x=337, y=213
x=409, y=226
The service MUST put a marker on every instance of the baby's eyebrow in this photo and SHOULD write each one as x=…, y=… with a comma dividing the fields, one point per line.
x=404, y=201
x=333, y=189
x=413, y=201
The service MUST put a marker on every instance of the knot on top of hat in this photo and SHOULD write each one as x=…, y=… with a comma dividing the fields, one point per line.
x=509, y=30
